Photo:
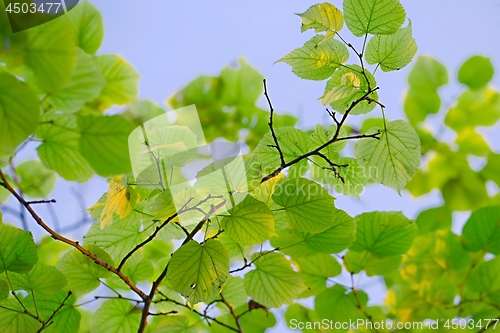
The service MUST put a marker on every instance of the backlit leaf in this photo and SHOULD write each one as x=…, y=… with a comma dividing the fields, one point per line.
x=315, y=60
x=198, y=271
x=308, y=206
x=384, y=233
x=395, y=157
x=392, y=52
x=249, y=222
x=273, y=282
x=322, y=17
x=381, y=17
x=19, y=113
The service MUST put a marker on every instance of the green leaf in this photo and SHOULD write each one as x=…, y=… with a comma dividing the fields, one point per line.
x=355, y=261
x=273, y=282
x=116, y=239
x=88, y=24
x=471, y=142
x=433, y=219
x=308, y=206
x=392, y=52
x=121, y=81
x=394, y=158
x=482, y=230
x=4, y=290
x=175, y=324
x=427, y=74
x=141, y=111
x=104, y=143
x=476, y=72
x=42, y=280
x=316, y=60
x=116, y=316
x=81, y=271
x=60, y=149
x=19, y=113
x=67, y=318
x=342, y=102
x=384, y=233
x=483, y=103
x=241, y=85
x=36, y=180
x=486, y=280
x=337, y=238
x=17, y=250
x=297, y=314
x=316, y=270
x=322, y=135
x=381, y=17
x=322, y=17
x=51, y=54
x=234, y=291
x=85, y=84
x=16, y=321
x=339, y=306
x=198, y=271
x=293, y=143
x=420, y=103
x=250, y=222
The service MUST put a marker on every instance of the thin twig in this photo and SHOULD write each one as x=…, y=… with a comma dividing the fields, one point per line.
x=41, y=202
x=321, y=147
x=276, y=143
x=233, y=313
x=48, y=322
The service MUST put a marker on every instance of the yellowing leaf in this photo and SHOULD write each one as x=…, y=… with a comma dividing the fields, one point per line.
x=322, y=17
x=118, y=201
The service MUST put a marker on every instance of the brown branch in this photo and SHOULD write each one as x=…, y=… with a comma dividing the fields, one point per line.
x=359, y=305
x=161, y=277
x=72, y=243
x=276, y=143
x=233, y=313
x=326, y=144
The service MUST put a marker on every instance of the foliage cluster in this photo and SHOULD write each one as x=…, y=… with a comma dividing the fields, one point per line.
x=273, y=236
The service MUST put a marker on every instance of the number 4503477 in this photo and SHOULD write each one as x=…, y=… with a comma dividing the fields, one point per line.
x=25, y=8
x=481, y=324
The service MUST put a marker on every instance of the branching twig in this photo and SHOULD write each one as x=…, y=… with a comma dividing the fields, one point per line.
x=72, y=243
x=361, y=136
x=48, y=322
x=326, y=144
x=271, y=113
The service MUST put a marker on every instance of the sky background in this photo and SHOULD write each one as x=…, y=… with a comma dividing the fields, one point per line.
x=172, y=42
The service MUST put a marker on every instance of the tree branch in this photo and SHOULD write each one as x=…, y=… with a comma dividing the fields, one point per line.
x=276, y=143
x=321, y=147
x=70, y=242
